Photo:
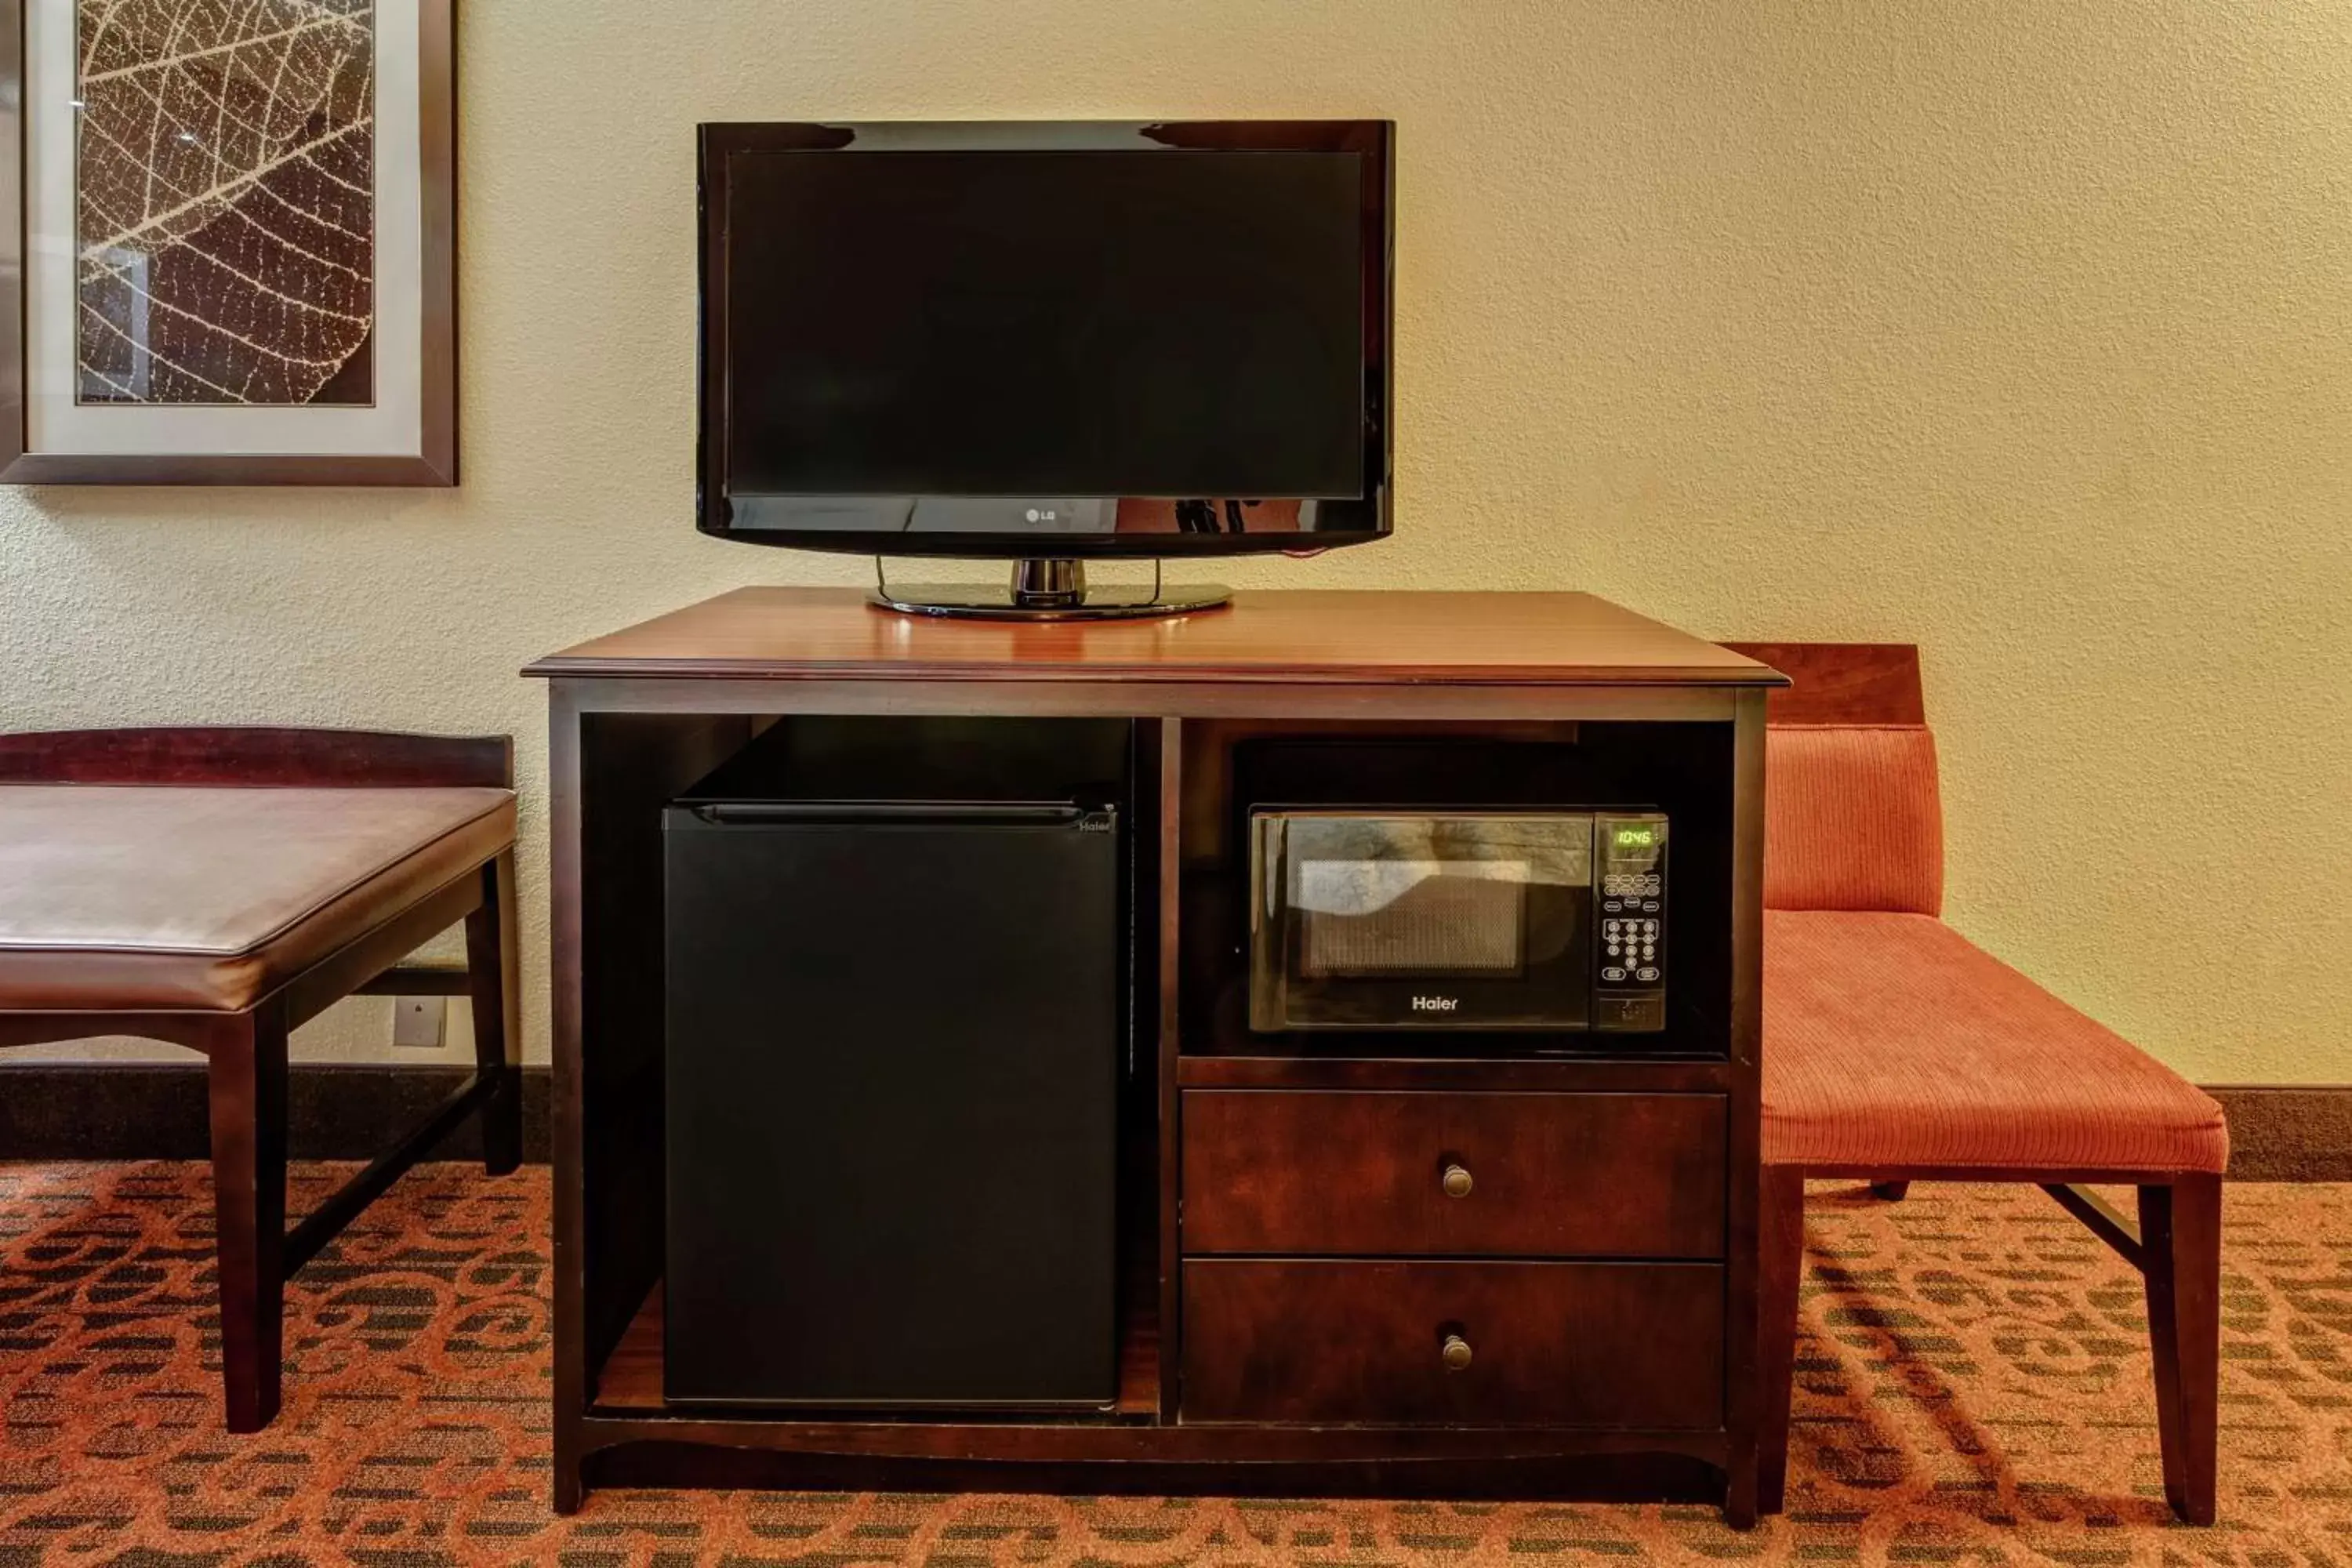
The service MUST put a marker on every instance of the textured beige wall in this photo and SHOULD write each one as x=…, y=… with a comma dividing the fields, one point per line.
x=2018, y=329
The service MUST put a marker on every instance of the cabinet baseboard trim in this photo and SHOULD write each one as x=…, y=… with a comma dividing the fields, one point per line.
x=142, y=1111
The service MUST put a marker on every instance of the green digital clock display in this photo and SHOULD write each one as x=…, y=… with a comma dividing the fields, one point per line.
x=1634, y=837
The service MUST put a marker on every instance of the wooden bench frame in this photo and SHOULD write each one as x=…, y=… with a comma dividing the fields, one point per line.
x=2176, y=1244
x=245, y=1051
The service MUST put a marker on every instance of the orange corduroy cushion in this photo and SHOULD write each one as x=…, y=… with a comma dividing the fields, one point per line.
x=1852, y=820
x=1891, y=1042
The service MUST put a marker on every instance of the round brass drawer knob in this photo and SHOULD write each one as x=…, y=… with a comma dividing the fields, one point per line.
x=1456, y=1353
x=1457, y=1181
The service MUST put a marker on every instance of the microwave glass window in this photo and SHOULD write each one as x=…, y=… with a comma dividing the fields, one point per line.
x=1407, y=918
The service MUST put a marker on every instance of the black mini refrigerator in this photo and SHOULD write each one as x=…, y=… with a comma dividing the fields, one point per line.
x=893, y=1035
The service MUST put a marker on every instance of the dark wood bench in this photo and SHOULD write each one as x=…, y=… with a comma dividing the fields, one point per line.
x=214, y=888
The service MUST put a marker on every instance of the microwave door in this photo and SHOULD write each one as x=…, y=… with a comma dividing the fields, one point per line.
x=1398, y=920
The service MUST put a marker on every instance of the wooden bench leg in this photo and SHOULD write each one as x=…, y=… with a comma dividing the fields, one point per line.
x=1781, y=1263
x=2180, y=1241
x=491, y=965
x=247, y=1094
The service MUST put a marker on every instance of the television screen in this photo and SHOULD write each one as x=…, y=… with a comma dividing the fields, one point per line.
x=1045, y=340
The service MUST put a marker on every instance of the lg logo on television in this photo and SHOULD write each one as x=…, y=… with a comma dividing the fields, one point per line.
x=1036, y=516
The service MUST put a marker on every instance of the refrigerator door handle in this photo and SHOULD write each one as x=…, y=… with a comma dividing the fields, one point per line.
x=963, y=814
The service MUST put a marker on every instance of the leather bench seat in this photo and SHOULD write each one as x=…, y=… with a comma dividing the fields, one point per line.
x=1891, y=1041
x=176, y=899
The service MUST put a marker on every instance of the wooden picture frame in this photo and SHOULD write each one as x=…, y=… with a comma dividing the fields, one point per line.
x=427, y=362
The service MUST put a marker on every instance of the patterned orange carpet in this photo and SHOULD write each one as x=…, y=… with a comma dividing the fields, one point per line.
x=1972, y=1389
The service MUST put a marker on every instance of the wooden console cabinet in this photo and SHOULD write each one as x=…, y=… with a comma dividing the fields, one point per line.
x=1525, y=1272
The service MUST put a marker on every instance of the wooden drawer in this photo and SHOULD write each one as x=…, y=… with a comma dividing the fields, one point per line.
x=1547, y=1175
x=1556, y=1344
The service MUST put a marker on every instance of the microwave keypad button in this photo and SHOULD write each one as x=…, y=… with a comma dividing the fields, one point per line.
x=1612, y=974
x=1645, y=974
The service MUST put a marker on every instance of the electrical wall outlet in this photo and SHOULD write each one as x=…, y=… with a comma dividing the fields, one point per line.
x=417, y=1022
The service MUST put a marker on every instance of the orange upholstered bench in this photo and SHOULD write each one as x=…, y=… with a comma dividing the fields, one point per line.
x=1895, y=1051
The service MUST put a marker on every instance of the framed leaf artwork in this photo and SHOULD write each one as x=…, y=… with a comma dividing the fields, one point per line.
x=233, y=252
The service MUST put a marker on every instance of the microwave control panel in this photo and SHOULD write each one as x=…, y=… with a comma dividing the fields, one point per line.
x=1629, y=992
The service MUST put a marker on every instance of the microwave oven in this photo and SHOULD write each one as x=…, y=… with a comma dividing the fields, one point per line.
x=1365, y=918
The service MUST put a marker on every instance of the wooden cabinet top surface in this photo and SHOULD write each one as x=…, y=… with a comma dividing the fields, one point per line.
x=1297, y=637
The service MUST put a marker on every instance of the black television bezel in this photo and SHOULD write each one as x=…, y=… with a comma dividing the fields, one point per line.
x=1372, y=139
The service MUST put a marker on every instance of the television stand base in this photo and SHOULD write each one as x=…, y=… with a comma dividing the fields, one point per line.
x=1045, y=590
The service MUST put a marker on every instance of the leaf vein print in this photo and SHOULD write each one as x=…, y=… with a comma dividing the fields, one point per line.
x=224, y=222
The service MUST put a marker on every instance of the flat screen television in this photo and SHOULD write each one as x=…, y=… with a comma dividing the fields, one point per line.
x=1046, y=342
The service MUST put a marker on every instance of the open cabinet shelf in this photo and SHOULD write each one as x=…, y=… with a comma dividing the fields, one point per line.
x=630, y=1383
